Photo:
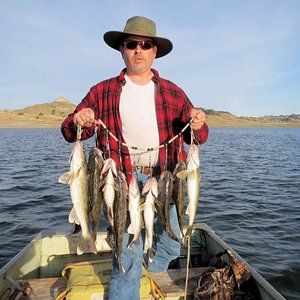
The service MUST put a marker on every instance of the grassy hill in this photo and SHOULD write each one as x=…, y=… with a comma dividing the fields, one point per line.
x=226, y=119
x=50, y=115
x=47, y=115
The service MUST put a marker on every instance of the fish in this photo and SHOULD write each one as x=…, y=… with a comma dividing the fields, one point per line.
x=165, y=190
x=108, y=174
x=193, y=175
x=134, y=204
x=150, y=192
x=120, y=215
x=77, y=179
x=95, y=165
x=179, y=193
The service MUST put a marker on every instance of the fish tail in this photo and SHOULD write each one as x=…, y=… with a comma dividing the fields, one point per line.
x=188, y=232
x=134, y=241
x=151, y=255
x=86, y=244
x=146, y=246
x=94, y=235
x=121, y=268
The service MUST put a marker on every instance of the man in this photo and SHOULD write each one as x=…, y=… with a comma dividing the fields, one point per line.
x=143, y=111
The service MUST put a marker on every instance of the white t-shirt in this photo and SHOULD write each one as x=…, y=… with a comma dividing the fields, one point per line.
x=139, y=123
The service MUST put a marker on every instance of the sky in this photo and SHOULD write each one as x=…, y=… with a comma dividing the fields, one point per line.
x=237, y=56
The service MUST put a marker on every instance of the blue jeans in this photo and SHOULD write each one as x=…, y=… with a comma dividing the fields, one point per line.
x=126, y=286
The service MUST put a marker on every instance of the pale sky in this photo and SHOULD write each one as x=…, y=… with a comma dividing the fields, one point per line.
x=237, y=56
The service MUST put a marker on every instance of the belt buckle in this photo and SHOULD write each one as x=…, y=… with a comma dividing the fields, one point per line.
x=146, y=170
x=143, y=170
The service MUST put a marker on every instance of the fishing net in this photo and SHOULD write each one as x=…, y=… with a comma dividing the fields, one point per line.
x=232, y=281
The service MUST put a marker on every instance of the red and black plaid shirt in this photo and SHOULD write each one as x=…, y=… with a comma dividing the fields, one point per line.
x=172, y=112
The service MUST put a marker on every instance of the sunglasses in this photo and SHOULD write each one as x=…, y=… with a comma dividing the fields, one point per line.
x=144, y=45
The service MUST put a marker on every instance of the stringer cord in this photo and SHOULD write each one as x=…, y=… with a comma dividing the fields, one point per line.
x=140, y=149
x=187, y=267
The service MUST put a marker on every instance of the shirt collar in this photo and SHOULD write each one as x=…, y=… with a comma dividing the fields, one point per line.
x=122, y=79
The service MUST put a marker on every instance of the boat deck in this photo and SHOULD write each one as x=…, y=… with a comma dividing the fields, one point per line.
x=171, y=282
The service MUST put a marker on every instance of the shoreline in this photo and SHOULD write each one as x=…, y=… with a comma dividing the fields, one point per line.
x=15, y=124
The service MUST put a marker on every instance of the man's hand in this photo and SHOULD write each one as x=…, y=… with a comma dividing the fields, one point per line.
x=199, y=118
x=85, y=117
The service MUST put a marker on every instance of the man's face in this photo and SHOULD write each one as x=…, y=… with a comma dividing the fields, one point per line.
x=137, y=57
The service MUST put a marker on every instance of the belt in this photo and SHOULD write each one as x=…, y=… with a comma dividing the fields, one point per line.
x=147, y=170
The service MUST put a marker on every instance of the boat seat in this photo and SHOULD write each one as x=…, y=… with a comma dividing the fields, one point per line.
x=42, y=288
x=171, y=282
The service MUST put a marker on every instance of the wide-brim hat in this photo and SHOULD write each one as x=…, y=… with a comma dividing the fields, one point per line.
x=139, y=26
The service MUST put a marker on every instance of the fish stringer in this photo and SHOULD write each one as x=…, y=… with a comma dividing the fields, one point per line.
x=188, y=241
x=79, y=132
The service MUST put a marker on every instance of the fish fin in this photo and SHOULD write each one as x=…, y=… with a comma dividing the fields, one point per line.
x=194, y=174
x=110, y=216
x=104, y=168
x=158, y=202
x=188, y=210
x=101, y=183
x=130, y=229
x=182, y=174
x=151, y=255
x=142, y=206
x=154, y=193
x=137, y=241
x=146, y=188
x=117, y=187
x=114, y=168
x=65, y=178
x=73, y=218
x=154, y=208
x=86, y=244
x=76, y=228
x=146, y=246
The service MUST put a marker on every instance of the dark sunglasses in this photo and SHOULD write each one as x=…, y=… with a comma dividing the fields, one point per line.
x=144, y=45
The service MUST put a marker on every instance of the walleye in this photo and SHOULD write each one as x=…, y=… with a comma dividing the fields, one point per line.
x=108, y=174
x=95, y=164
x=150, y=191
x=193, y=185
x=179, y=192
x=77, y=179
x=120, y=215
x=165, y=189
x=136, y=218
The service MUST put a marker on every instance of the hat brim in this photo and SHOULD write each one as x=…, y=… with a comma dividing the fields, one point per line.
x=115, y=38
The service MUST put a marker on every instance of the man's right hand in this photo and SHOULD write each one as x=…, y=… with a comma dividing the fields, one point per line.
x=85, y=117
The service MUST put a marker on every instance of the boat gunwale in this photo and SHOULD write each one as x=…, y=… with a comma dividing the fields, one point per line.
x=258, y=278
x=198, y=226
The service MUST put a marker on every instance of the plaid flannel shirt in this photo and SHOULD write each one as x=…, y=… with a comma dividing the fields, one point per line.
x=172, y=112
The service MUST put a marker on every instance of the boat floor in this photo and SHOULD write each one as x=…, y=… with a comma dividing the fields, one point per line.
x=171, y=282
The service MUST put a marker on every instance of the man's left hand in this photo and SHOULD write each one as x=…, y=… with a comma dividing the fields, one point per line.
x=199, y=118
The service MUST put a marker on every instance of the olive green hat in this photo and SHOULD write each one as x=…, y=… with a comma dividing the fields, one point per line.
x=139, y=26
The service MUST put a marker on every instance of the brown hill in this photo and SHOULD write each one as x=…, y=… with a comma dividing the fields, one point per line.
x=50, y=115
x=47, y=115
x=226, y=119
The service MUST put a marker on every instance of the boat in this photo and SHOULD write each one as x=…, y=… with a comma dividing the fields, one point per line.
x=36, y=271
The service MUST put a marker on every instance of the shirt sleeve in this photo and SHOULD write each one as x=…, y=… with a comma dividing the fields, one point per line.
x=68, y=128
x=200, y=135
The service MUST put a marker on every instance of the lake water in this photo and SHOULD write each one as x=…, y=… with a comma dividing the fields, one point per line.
x=250, y=194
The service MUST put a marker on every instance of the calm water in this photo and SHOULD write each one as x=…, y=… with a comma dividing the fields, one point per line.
x=250, y=194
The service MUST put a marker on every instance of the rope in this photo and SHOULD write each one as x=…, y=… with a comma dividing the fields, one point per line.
x=148, y=149
x=187, y=267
